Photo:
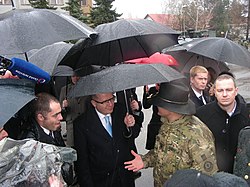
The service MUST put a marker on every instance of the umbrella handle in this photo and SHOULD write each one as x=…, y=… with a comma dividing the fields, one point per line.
x=129, y=129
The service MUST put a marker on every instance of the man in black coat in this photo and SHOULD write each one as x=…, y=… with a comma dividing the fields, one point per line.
x=155, y=121
x=225, y=117
x=101, y=153
x=198, y=83
x=44, y=124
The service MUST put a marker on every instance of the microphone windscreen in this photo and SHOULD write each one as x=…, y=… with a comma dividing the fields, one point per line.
x=27, y=70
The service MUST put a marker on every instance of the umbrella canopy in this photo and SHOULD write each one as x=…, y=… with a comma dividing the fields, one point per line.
x=219, y=49
x=63, y=71
x=25, y=29
x=155, y=58
x=48, y=57
x=15, y=93
x=122, y=40
x=123, y=76
x=187, y=60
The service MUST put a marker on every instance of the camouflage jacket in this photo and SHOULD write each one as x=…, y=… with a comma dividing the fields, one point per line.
x=184, y=143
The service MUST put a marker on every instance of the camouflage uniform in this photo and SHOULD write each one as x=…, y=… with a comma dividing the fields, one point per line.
x=182, y=144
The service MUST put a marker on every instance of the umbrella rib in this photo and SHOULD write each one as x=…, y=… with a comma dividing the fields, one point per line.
x=142, y=46
x=119, y=42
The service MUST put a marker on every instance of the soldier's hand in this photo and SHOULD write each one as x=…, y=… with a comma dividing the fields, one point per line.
x=136, y=164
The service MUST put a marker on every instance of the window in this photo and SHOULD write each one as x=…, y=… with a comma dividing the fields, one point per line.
x=83, y=2
x=5, y=2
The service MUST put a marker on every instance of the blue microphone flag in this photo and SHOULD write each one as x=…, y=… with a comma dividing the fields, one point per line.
x=27, y=70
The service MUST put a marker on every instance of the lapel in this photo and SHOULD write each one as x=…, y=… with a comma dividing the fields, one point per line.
x=195, y=99
x=95, y=125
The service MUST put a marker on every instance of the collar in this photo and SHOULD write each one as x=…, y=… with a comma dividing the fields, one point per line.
x=45, y=130
x=232, y=112
x=197, y=93
x=100, y=115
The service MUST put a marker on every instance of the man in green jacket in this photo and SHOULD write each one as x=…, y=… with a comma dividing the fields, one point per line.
x=183, y=141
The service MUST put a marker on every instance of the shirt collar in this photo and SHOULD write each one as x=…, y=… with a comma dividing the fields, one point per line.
x=101, y=116
x=45, y=130
x=231, y=113
x=197, y=93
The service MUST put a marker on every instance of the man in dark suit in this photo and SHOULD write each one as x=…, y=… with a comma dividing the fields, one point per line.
x=44, y=124
x=103, y=146
x=198, y=82
x=225, y=117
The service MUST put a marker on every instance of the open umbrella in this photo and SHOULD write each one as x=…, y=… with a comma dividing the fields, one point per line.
x=25, y=29
x=216, y=48
x=63, y=71
x=48, y=57
x=123, y=76
x=15, y=93
x=155, y=58
x=120, y=41
x=187, y=60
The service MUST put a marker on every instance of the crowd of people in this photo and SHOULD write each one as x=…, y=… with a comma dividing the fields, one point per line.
x=195, y=125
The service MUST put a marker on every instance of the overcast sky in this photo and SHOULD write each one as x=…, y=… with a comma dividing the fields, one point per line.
x=138, y=8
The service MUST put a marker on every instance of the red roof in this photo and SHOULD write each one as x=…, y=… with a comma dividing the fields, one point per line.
x=165, y=19
x=160, y=18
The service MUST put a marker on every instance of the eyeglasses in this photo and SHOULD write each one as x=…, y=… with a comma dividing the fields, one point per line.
x=106, y=101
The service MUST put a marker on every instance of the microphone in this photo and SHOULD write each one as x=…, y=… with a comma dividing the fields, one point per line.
x=26, y=70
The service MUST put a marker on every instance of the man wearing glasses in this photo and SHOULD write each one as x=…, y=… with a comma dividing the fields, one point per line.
x=103, y=137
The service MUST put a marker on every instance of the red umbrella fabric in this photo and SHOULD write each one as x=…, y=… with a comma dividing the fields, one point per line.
x=156, y=58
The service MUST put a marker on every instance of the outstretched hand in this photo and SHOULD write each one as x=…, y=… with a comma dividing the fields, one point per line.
x=136, y=164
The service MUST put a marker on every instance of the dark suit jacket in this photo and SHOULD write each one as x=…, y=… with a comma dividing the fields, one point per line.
x=198, y=103
x=100, y=158
x=34, y=131
x=225, y=130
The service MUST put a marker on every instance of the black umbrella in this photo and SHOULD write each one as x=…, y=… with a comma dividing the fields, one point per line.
x=218, y=49
x=187, y=60
x=123, y=76
x=48, y=57
x=15, y=93
x=25, y=29
x=120, y=41
x=61, y=71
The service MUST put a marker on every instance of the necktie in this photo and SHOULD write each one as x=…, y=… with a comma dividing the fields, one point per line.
x=108, y=125
x=201, y=98
x=51, y=134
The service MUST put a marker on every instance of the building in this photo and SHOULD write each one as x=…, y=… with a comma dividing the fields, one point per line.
x=165, y=19
x=6, y=5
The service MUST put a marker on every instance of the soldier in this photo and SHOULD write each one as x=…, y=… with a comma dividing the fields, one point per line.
x=183, y=140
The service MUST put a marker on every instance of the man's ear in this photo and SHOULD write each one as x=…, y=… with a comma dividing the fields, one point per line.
x=93, y=103
x=191, y=80
x=40, y=117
